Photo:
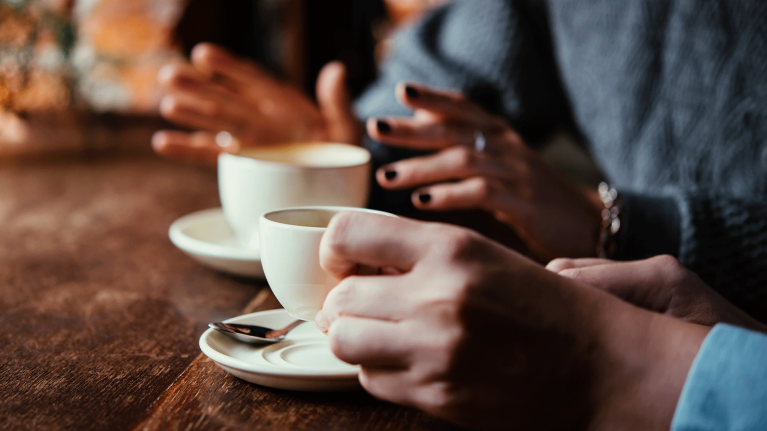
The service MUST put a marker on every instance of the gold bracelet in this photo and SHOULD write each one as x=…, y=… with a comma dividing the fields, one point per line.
x=611, y=222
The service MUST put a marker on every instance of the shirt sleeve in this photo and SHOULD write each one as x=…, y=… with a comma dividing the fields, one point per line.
x=726, y=388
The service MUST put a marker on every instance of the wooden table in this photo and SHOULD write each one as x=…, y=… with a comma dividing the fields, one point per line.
x=101, y=314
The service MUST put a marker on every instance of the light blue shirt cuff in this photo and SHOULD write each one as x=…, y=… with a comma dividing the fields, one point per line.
x=726, y=388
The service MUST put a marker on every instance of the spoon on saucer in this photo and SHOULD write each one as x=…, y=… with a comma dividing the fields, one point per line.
x=253, y=334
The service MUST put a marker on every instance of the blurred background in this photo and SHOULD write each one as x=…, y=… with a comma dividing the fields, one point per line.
x=81, y=74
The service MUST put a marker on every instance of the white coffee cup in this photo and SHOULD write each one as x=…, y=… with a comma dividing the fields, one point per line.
x=290, y=255
x=262, y=179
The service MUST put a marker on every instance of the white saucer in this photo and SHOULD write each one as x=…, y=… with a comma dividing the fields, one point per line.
x=207, y=238
x=303, y=362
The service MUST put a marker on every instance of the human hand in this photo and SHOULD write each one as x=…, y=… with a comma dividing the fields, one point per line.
x=474, y=333
x=220, y=92
x=659, y=284
x=553, y=216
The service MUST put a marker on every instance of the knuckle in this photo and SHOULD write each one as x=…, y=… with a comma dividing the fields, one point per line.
x=203, y=54
x=451, y=340
x=369, y=383
x=464, y=157
x=509, y=135
x=458, y=242
x=671, y=269
x=169, y=106
x=172, y=77
x=485, y=188
x=462, y=307
x=213, y=109
x=523, y=170
x=340, y=297
x=338, y=341
x=374, y=383
x=667, y=263
x=335, y=239
x=435, y=398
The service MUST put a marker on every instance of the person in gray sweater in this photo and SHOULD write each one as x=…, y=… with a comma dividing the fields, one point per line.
x=669, y=97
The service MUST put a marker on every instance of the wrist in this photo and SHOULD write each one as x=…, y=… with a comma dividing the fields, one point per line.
x=647, y=359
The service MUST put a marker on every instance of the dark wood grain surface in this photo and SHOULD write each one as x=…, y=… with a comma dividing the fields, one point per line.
x=206, y=397
x=101, y=314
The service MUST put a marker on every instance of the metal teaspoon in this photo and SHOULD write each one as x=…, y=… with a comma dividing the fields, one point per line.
x=253, y=334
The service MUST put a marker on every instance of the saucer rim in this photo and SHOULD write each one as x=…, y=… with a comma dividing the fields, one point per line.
x=264, y=369
x=204, y=248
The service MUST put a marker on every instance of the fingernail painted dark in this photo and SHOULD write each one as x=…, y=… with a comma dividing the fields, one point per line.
x=383, y=126
x=411, y=92
x=425, y=198
x=390, y=175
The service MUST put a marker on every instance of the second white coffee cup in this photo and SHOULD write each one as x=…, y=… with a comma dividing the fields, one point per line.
x=262, y=179
x=290, y=254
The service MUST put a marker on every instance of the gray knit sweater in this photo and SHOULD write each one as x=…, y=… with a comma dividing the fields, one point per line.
x=669, y=96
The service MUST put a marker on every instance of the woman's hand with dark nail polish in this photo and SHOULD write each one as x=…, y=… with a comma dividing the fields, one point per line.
x=383, y=126
x=502, y=176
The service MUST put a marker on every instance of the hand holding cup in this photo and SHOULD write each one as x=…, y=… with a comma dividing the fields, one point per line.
x=472, y=332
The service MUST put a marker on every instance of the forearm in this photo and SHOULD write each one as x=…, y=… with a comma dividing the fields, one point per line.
x=648, y=358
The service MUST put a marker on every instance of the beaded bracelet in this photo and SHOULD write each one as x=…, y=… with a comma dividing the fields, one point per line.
x=611, y=222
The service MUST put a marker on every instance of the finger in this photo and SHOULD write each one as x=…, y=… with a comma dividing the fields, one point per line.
x=454, y=163
x=562, y=263
x=213, y=60
x=420, y=133
x=472, y=193
x=369, y=342
x=195, y=114
x=355, y=237
x=372, y=297
x=196, y=147
x=335, y=104
x=446, y=103
x=641, y=283
x=185, y=80
x=174, y=74
x=394, y=385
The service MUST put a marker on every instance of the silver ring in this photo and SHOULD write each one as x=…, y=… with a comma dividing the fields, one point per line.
x=480, y=143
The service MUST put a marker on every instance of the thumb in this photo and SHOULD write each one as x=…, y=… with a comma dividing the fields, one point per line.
x=336, y=105
x=642, y=283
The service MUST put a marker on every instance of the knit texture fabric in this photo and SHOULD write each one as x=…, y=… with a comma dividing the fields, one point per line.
x=670, y=98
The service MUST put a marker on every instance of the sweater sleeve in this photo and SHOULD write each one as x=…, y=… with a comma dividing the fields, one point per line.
x=726, y=388
x=721, y=238
x=497, y=52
